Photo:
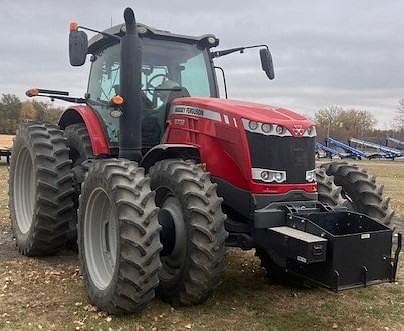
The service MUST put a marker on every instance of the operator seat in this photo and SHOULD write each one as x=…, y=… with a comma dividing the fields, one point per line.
x=154, y=121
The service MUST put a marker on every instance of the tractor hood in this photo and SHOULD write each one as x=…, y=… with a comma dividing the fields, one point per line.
x=240, y=110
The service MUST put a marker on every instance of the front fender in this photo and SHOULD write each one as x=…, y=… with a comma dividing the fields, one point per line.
x=96, y=131
x=169, y=151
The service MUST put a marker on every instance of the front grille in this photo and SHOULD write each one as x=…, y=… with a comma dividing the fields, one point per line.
x=290, y=154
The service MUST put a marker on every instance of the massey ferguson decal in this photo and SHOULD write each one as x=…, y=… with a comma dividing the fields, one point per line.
x=194, y=111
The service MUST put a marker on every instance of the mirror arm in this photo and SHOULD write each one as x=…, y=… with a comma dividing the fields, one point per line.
x=233, y=50
x=226, y=52
x=53, y=94
x=46, y=91
x=256, y=46
x=100, y=32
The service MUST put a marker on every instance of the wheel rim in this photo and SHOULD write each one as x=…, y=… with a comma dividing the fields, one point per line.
x=24, y=190
x=173, y=238
x=100, y=238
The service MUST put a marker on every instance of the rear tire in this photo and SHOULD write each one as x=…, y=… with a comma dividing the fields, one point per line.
x=193, y=233
x=364, y=195
x=118, y=236
x=41, y=189
x=78, y=141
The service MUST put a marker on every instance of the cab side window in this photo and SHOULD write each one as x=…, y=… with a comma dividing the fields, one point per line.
x=103, y=85
x=194, y=76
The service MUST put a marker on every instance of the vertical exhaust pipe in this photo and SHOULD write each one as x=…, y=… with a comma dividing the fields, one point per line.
x=130, y=123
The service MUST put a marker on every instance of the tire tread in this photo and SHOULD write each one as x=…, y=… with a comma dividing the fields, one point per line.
x=54, y=188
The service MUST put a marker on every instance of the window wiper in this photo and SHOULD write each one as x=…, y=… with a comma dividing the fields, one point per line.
x=163, y=89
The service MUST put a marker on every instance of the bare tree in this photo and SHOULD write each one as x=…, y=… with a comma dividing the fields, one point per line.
x=343, y=123
x=398, y=122
x=356, y=122
x=327, y=119
x=401, y=105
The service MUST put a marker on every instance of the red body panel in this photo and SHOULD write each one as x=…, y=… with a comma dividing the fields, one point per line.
x=95, y=129
x=250, y=110
x=222, y=141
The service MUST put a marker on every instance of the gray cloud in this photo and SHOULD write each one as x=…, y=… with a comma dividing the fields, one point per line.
x=325, y=52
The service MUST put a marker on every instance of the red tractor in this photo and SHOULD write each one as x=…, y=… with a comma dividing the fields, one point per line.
x=155, y=175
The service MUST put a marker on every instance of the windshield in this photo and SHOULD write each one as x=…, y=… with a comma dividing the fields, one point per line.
x=167, y=67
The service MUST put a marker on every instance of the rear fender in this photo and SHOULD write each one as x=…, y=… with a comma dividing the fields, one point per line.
x=96, y=131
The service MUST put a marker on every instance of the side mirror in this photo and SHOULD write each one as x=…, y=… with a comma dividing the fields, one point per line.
x=266, y=63
x=78, y=47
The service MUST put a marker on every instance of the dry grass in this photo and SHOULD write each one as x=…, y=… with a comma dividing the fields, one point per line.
x=6, y=141
x=48, y=294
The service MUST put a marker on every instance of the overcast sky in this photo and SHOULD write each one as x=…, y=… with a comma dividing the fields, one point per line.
x=349, y=53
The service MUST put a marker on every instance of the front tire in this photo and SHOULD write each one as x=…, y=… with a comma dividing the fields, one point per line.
x=327, y=191
x=193, y=233
x=118, y=236
x=364, y=195
x=41, y=189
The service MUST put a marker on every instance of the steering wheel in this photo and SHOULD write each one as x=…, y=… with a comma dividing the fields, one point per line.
x=149, y=82
x=152, y=89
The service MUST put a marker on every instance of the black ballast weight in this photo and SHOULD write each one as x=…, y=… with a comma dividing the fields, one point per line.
x=335, y=249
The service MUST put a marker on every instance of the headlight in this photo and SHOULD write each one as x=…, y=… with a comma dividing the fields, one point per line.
x=310, y=132
x=211, y=40
x=311, y=175
x=266, y=128
x=268, y=176
x=253, y=125
x=265, y=175
x=279, y=177
x=279, y=129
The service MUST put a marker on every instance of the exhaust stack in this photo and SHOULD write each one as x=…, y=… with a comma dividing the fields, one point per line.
x=130, y=125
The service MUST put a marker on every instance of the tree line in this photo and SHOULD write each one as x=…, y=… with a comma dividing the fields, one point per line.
x=13, y=111
x=343, y=123
x=335, y=121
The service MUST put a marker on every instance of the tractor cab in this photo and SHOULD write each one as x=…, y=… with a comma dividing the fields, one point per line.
x=172, y=66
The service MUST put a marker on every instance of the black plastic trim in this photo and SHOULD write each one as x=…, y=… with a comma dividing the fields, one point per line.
x=295, y=155
x=246, y=203
x=169, y=151
x=241, y=200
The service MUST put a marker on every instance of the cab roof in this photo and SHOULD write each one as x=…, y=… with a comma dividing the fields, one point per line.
x=99, y=41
